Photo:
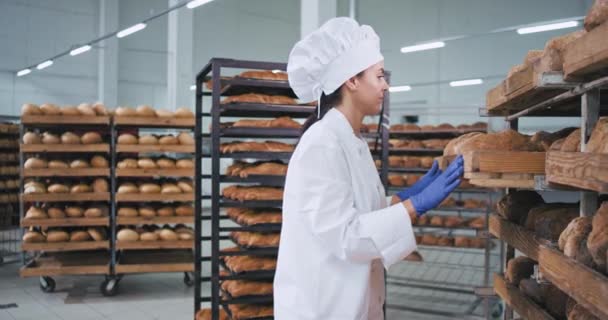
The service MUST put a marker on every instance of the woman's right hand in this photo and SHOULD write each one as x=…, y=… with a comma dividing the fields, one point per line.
x=439, y=189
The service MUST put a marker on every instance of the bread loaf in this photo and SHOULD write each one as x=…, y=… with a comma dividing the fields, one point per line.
x=79, y=164
x=127, y=188
x=147, y=212
x=185, y=138
x=127, y=138
x=508, y=140
x=165, y=211
x=70, y=138
x=573, y=240
x=70, y=111
x=97, y=234
x=148, y=236
x=543, y=140
x=549, y=220
x=33, y=237
x=184, y=164
x=91, y=138
x=184, y=210
x=145, y=111
x=85, y=109
x=127, y=164
x=598, y=142
x=168, y=235
x=127, y=235
x=182, y=112
x=186, y=186
x=49, y=138
x=58, y=188
x=519, y=268
x=148, y=139
x=146, y=163
x=31, y=138
x=429, y=240
x=99, y=162
x=55, y=213
x=30, y=110
x=78, y=236
x=437, y=221
x=80, y=188
x=552, y=58
x=74, y=212
x=597, y=243
x=165, y=163
x=127, y=212
x=125, y=112
x=168, y=140
x=170, y=188
x=57, y=236
x=35, y=213
x=149, y=188
x=35, y=163
x=96, y=212
x=516, y=205
x=58, y=164
x=100, y=109
x=572, y=142
x=597, y=14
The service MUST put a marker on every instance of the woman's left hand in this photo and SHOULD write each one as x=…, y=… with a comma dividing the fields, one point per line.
x=421, y=184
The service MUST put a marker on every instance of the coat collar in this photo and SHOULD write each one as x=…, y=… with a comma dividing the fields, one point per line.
x=337, y=122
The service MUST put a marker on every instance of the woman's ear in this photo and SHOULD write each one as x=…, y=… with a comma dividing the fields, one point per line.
x=352, y=83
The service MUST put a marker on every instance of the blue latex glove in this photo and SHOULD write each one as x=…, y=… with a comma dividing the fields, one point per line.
x=439, y=189
x=421, y=184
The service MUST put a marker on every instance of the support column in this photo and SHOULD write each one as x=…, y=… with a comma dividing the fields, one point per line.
x=107, y=65
x=179, y=58
x=313, y=13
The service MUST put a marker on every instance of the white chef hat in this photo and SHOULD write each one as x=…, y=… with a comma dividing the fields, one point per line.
x=329, y=56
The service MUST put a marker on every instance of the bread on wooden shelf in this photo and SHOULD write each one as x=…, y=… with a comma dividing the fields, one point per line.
x=519, y=268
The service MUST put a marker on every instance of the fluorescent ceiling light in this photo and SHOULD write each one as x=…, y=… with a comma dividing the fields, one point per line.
x=193, y=87
x=80, y=50
x=23, y=72
x=197, y=3
x=130, y=30
x=548, y=27
x=469, y=82
x=45, y=64
x=277, y=71
x=399, y=89
x=424, y=46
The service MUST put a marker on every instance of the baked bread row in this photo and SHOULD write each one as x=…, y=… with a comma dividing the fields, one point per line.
x=68, y=211
x=247, y=193
x=446, y=241
x=244, y=169
x=65, y=138
x=183, y=138
x=40, y=163
x=418, y=144
x=255, y=146
x=450, y=221
x=252, y=217
x=255, y=239
x=55, y=235
x=35, y=187
x=159, y=163
x=98, y=109
x=181, y=186
x=410, y=127
x=148, y=211
x=49, y=109
x=155, y=233
x=280, y=122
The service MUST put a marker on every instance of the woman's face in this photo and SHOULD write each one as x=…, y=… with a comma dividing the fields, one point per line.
x=369, y=91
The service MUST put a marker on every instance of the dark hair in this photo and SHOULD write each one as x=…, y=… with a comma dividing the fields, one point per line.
x=327, y=102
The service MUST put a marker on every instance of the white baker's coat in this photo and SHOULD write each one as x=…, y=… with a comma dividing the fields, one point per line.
x=337, y=229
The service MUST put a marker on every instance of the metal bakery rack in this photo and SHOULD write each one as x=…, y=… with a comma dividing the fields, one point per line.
x=579, y=91
x=150, y=256
x=212, y=226
x=10, y=232
x=47, y=259
x=452, y=279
